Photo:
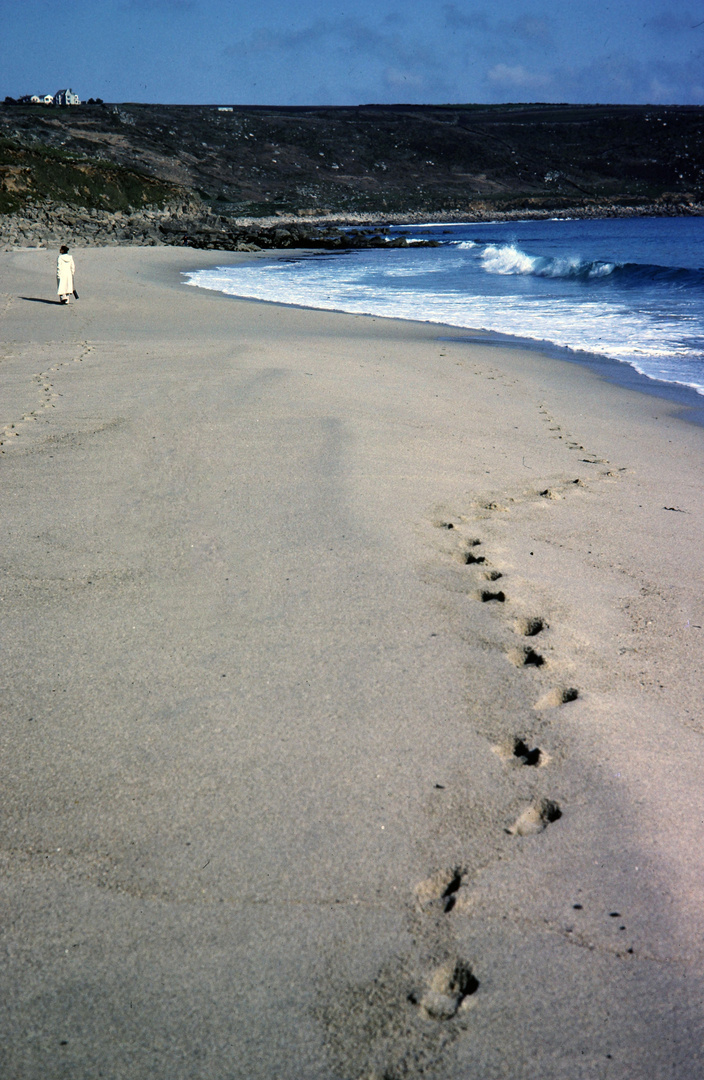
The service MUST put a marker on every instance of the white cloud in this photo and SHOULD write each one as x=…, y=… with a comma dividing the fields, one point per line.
x=659, y=91
x=517, y=76
x=621, y=78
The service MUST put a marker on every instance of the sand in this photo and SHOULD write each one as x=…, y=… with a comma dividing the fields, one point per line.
x=352, y=722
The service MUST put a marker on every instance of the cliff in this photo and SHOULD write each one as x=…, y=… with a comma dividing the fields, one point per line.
x=365, y=163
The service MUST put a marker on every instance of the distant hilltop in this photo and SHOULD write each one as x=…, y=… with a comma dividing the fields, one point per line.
x=61, y=97
x=254, y=162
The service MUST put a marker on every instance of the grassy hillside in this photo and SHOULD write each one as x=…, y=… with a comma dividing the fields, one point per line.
x=258, y=161
x=30, y=175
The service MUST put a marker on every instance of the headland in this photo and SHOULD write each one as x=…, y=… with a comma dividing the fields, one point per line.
x=290, y=177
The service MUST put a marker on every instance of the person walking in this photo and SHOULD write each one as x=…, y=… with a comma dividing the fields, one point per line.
x=65, y=269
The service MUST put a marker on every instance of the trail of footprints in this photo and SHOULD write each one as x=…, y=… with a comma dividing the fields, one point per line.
x=450, y=986
x=402, y=1023
x=48, y=398
x=585, y=457
x=439, y=984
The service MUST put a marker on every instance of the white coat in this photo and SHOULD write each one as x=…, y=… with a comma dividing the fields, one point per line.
x=65, y=269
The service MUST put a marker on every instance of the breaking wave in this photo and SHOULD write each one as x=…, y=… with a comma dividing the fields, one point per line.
x=508, y=259
x=638, y=298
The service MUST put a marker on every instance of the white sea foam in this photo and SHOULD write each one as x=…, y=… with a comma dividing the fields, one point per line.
x=411, y=271
x=598, y=270
x=508, y=259
x=551, y=301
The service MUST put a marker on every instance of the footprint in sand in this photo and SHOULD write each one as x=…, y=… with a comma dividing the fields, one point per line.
x=492, y=575
x=473, y=542
x=440, y=889
x=469, y=558
x=559, y=695
x=526, y=657
x=485, y=595
x=448, y=989
x=530, y=625
x=535, y=819
x=525, y=756
x=517, y=752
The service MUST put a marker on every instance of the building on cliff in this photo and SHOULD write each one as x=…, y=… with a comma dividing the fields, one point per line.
x=66, y=97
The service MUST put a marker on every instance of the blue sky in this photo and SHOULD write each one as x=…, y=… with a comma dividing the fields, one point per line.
x=303, y=52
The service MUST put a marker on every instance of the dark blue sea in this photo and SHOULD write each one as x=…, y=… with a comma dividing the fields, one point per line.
x=630, y=289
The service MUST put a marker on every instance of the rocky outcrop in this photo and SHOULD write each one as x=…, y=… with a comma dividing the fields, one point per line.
x=194, y=225
x=48, y=225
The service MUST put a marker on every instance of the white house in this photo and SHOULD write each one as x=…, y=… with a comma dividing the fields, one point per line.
x=66, y=97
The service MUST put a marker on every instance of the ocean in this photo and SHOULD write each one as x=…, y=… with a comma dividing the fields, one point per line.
x=630, y=289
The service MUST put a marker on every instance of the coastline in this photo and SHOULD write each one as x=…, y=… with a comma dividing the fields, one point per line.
x=353, y=694
x=619, y=372
x=195, y=225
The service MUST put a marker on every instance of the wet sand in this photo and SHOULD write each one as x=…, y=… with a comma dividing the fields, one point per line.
x=352, y=723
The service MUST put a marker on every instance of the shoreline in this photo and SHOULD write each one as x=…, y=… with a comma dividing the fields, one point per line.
x=200, y=227
x=619, y=372
x=353, y=695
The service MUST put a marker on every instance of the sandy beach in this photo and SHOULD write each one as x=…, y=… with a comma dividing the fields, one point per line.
x=351, y=696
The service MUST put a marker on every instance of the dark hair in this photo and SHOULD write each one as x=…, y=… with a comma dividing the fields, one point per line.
x=63, y=250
